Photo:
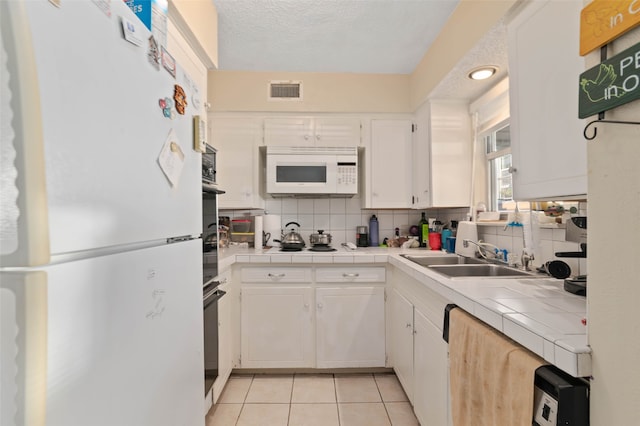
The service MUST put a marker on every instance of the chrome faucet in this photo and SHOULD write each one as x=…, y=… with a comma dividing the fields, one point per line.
x=465, y=244
x=497, y=256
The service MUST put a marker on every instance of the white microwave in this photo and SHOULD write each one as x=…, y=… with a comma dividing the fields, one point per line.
x=331, y=171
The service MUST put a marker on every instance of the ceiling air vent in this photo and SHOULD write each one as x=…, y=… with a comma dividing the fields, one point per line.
x=285, y=91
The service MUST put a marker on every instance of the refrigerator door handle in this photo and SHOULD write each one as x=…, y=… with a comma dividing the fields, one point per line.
x=179, y=239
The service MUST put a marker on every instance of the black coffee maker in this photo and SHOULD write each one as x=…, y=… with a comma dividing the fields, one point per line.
x=577, y=233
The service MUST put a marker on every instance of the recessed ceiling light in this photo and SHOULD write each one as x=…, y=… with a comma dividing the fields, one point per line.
x=482, y=73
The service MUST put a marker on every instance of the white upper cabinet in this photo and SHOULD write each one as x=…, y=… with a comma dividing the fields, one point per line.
x=548, y=149
x=237, y=140
x=442, y=155
x=388, y=178
x=312, y=131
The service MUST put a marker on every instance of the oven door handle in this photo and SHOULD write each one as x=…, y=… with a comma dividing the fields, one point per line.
x=212, y=296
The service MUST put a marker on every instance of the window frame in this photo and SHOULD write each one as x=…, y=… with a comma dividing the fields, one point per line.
x=492, y=190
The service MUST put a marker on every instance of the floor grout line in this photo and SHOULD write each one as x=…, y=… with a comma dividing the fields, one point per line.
x=336, y=404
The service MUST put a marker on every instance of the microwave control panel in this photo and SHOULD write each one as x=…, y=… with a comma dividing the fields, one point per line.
x=347, y=178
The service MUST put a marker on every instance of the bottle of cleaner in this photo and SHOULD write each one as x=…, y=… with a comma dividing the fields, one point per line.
x=373, y=231
x=423, y=231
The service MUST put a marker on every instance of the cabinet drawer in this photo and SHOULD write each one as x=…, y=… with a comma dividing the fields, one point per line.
x=276, y=275
x=351, y=275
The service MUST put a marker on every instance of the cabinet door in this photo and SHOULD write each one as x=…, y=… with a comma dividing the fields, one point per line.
x=312, y=131
x=422, y=159
x=238, y=161
x=290, y=131
x=389, y=165
x=451, y=151
x=350, y=327
x=337, y=131
x=276, y=327
x=430, y=372
x=402, y=341
x=548, y=149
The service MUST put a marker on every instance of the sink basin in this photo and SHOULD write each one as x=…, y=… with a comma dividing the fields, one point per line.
x=442, y=260
x=483, y=270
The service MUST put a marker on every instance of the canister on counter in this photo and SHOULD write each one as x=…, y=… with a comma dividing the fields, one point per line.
x=435, y=241
x=362, y=236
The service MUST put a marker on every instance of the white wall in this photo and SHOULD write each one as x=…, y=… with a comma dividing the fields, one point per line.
x=236, y=91
x=614, y=261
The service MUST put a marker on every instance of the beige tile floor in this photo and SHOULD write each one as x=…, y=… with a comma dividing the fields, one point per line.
x=312, y=400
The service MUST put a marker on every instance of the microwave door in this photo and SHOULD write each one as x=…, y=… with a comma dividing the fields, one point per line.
x=313, y=176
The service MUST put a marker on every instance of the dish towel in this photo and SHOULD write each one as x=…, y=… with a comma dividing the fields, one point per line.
x=491, y=376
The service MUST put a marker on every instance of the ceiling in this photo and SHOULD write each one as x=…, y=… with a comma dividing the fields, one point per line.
x=348, y=36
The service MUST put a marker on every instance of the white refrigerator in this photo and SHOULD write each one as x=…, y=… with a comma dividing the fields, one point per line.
x=101, y=214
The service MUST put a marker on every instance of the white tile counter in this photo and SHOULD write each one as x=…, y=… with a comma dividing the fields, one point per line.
x=535, y=312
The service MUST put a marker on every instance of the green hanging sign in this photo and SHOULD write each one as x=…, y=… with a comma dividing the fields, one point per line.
x=614, y=82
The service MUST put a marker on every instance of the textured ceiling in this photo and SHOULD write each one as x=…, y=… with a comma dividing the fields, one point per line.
x=352, y=36
x=490, y=50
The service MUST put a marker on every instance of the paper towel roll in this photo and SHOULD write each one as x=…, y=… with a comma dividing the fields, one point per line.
x=257, y=229
x=466, y=231
x=272, y=224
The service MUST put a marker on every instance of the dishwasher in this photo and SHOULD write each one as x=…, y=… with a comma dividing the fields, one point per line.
x=558, y=398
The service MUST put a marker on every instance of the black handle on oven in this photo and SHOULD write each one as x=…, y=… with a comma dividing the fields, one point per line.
x=212, y=296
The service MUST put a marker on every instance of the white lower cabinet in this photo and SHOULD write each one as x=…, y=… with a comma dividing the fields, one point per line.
x=350, y=327
x=430, y=391
x=289, y=320
x=418, y=353
x=401, y=330
x=277, y=326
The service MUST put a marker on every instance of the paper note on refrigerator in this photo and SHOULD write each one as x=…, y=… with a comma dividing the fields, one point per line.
x=171, y=159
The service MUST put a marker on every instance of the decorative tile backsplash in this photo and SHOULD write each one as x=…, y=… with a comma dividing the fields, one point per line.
x=340, y=217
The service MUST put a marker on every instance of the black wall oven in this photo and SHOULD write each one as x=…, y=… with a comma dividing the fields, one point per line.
x=210, y=291
x=210, y=297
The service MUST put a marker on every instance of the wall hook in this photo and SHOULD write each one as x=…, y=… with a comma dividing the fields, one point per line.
x=595, y=129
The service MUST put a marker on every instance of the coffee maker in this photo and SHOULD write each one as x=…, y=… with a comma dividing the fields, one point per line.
x=577, y=233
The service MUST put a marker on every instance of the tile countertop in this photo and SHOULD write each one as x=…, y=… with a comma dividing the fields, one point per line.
x=535, y=312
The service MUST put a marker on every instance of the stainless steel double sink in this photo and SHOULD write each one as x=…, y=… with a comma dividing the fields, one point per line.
x=460, y=266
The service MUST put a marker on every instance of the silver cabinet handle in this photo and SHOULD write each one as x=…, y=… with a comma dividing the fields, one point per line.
x=408, y=325
x=512, y=169
x=352, y=275
x=276, y=275
x=319, y=305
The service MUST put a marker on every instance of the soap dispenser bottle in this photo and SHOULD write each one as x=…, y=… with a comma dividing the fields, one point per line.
x=373, y=231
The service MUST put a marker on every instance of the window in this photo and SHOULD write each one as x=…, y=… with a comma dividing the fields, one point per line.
x=498, y=150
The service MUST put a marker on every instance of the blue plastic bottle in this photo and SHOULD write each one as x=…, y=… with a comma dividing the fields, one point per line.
x=373, y=231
